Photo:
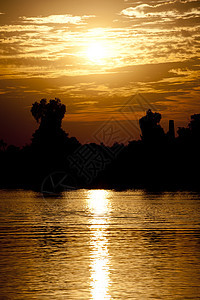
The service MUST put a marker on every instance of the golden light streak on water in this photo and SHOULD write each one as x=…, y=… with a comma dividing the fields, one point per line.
x=98, y=204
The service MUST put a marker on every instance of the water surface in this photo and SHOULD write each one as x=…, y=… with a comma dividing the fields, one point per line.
x=100, y=244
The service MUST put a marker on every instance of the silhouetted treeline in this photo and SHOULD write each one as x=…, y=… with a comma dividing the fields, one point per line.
x=55, y=161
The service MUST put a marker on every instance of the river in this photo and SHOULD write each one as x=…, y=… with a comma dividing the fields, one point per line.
x=99, y=244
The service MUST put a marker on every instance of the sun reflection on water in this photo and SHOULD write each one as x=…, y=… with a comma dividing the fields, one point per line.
x=98, y=204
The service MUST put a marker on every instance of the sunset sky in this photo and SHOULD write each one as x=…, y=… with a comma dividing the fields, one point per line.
x=95, y=56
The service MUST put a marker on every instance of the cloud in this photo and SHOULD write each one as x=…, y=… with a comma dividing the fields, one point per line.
x=57, y=19
x=170, y=9
x=138, y=11
x=21, y=28
x=36, y=46
x=40, y=48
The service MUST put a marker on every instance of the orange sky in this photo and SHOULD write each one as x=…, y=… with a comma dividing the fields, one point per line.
x=95, y=56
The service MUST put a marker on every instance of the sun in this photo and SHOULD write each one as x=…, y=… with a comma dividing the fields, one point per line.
x=96, y=52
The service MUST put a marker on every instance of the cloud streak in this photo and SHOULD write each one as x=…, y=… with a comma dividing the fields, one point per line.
x=57, y=19
x=167, y=10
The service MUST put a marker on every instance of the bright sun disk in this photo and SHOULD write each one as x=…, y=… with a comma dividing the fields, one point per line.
x=96, y=52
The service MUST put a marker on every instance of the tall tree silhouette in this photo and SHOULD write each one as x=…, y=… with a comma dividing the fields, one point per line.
x=151, y=130
x=49, y=115
x=50, y=135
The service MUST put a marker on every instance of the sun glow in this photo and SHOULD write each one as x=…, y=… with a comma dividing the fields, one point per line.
x=99, y=202
x=97, y=52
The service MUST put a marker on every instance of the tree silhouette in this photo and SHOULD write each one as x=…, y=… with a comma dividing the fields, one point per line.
x=192, y=132
x=50, y=136
x=194, y=126
x=184, y=134
x=2, y=145
x=49, y=115
x=150, y=127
